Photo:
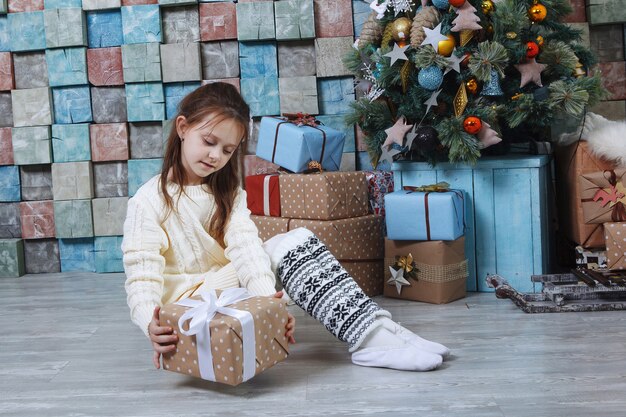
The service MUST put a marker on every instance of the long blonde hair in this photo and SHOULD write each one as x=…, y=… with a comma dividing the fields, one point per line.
x=222, y=101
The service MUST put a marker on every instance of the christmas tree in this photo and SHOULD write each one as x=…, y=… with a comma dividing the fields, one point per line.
x=444, y=81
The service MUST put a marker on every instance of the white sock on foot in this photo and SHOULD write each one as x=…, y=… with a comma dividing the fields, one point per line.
x=410, y=337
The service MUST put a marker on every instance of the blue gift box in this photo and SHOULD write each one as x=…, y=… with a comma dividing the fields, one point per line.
x=104, y=29
x=338, y=121
x=174, y=93
x=10, y=183
x=145, y=102
x=140, y=171
x=77, y=254
x=108, y=254
x=141, y=24
x=5, y=39
x=27, y=31
x=70, y=143
x=292, y=147
x=67, y=66
x=72, y=105
x=414, y=215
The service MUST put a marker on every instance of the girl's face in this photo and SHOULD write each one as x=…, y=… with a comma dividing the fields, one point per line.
x=206, y=147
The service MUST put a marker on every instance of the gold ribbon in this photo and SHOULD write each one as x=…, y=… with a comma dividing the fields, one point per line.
x=440, y=187
x=407, y=264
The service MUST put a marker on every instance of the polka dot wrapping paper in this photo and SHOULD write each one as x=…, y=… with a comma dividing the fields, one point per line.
x=324, y=196
x=270, y=318
x=615, y=238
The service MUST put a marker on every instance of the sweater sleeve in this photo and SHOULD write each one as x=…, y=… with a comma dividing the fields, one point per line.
x=143, y=243
x=244, y=249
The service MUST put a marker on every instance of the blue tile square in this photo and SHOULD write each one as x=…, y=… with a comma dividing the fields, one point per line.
x=27, y=31
x=360, y=11
x=335, y=95
x=71, y=105
x=108, y=254
x=104, y=29
x=5, y=39
x=261, y=94
x=70, y=143
x=145, y=102
x=10, y=183
x=258, y=59
x=174, y=93
x=67, y=66
x=140, y=171
x=77, y=255
x=338, y=122
x=62, y=4
x=141, y=24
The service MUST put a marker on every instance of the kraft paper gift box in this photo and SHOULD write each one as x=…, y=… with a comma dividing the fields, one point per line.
x=298, y=94
x=239, y=337
x=37, y=219
x=30, y=70
x=263, y=194
x=334, y=18
x=32, y=145
x=72, y=105
x=108, y=255
x=294, y=19
x=32, y=107
x=108, y=104
x=218, y=21
x=6, y=111
x=594, y=258
x=10, y=226
x=109, y=215
x=436, y=271
x=77, y=254
x=146, y=140
x=10, y=183
x=220, y=59
x=181, y=62
x=615, y=238
x=296, y=59
x=67, y=66
x=324, y=196
x=379, y=183
x=367, y=274
x=141, y=62
x=70, y=143
x=174, y=93
x=36, y=182
x=72, y=181
x=27, y=31
x=140, y=171
x=7, y=80
x=109, y=142
x=104, y=66
x=329, y=53
x=73, y=219
x=104, y=29
x=145, y=102
x=293, y=147
x=141, y=24
x=101, y=4
x=41, y=256
x=110, y=179
x=255, y=21
x=11, y=258
x=180, y=24
x=414, y=215
x=605, y=11
x=603, y=196
x=261, y=94
x=6, y=146
x=336, y=95
x=65, y=27
x=258, y=59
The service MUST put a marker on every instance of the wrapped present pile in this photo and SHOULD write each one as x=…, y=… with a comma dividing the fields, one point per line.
x=425, y=247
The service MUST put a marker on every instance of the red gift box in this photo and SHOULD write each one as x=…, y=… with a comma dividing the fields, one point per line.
x=263, y=194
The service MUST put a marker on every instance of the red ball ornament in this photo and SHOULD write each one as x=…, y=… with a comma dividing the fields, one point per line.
x=472, y=125
x=532, y=49
x=456, y=3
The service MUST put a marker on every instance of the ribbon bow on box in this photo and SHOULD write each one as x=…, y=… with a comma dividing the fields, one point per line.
x=440, y=187
x=201, y=313
x=603, y=196
x=303, y=119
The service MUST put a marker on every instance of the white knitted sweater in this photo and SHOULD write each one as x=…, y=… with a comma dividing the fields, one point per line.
x=165, y=257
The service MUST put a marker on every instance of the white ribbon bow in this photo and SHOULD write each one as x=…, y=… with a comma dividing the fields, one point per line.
x=201, y=312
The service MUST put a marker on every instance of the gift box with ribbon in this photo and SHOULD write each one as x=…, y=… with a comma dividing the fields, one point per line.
x=226, y=336
x=425, y=213
x=594, y=258
x=324, y=196
x=615, y=238
x=432, y=272
x=603, y=196
x=300, y=143
x=263, y=194
x=379, y=183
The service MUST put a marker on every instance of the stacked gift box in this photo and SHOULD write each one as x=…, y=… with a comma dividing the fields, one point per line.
x=425, y=247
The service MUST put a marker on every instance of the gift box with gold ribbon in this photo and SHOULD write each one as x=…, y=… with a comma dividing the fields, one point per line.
x=615, y=239
x=603, y=196
x=226, y=336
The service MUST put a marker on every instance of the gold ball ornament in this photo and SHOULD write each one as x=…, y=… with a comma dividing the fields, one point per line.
x=487, y=7
x=472, y=85
x=446, y=47
x=401, y=29
x=537, y=12
x=539, y=40
x=472, y=125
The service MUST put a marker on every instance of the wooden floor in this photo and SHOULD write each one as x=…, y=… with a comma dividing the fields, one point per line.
x=68, y=348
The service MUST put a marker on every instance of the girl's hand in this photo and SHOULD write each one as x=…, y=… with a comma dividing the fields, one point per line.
x=162, y=338
x=290, y=327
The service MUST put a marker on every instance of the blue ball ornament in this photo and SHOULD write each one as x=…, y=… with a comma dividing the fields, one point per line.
x=441, y=4
x=430, y=78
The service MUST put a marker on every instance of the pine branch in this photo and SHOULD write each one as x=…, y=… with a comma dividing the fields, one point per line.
x=559, y=57
x=568, y=96
x=425, y=57
x=593, y=86
x=489, y=55
x=462, y=147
